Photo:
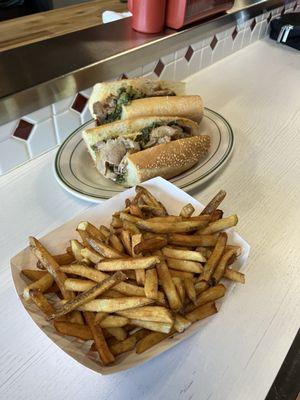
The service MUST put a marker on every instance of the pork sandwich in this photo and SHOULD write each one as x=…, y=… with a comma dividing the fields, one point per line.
x=137, y=149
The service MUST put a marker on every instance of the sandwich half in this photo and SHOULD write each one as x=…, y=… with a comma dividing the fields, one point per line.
x=107, y=98
x=133, y=150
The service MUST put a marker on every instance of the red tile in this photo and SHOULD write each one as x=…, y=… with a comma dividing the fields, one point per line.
x=159, y=68
x=79, y=103
x=213, y=43
x=189, y=54
x=253, y=25
x=234, y=33
x=23, y=129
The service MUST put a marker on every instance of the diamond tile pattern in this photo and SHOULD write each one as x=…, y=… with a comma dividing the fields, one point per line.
x=189, y=54
x=253, y=25
x=159, y=68
x=234, y=33
x=23, y=129
x=79, y=103
x=213, y=43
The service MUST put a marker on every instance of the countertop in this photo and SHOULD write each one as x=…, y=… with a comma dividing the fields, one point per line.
x=45, y=25
x=240, y=353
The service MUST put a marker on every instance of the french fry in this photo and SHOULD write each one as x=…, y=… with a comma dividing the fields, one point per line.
x=90, y=294
x=150, y=340
x=79, y=285
x=115, y=305
x=237, y=249
x=201, y=286
x=213, y=260
x=34, y=274
x=148, y=313
x=220, y=225
x=41, y=302
x=104, y=249
x=127, y=263
x=180, y=288
x=84, y=237
x=113, y=321
x=221, y=266
x=180, y=274
x=116, y=243
x=151, y=284
x=140, y=275
x=126, y=240
x=151, y=209
x=201, y=312
x=91, y=255
x=44, y=283
x=152, y=326
x=183, y=254
x=214, y=203
x=131, y=227
x=70, y=329
x=193, y=240
x=187, y=210
x=234, y=275
x=211, y=294
x=64, y=258
x=99, y=317
x=116, y=222
x=190, y=289
x=168, y=286
x=167, y=227
x=91, y=230
x=75, y=317
x=184, y=265
x=139, y=333
x=111, y=294
x=215, y=215
x=151, y=199
x=50, y=264
x=134, y=209
x=98, y=276
x=204, y=251
x=123, y=346
x=103, y=350
x=119, y=333
x=76, y=250
x=167, y=218
x=104, y=231
x=181, y=323
x=150, y=244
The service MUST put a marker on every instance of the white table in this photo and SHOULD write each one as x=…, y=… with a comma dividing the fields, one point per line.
x=257, y=90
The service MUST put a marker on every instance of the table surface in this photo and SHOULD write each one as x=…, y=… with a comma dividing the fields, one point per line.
x=240, y=352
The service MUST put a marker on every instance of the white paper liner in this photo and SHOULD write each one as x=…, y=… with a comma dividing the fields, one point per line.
x=57, y=241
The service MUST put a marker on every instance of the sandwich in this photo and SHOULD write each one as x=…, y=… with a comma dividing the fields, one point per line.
x=133, y=150
x=107, y=98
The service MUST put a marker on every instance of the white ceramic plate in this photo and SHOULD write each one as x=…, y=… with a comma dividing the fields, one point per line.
x=75, y=170
x=57, y=241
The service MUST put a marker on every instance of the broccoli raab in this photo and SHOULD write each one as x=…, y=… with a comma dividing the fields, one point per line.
x=125, y=96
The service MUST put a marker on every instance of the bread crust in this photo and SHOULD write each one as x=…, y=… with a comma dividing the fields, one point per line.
x=181, y=106
x=166, y=160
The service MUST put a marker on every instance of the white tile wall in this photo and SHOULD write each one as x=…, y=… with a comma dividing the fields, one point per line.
x=52, y=124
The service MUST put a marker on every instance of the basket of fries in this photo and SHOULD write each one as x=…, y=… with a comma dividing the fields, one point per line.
x=128, y=279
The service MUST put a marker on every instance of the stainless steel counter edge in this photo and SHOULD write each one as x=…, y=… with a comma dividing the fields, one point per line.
x=37, y=75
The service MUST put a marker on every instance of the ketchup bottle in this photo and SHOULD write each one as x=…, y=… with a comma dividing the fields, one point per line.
x=148, y=16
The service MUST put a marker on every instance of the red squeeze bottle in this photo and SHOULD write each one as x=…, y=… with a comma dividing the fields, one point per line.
x=148, y=16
